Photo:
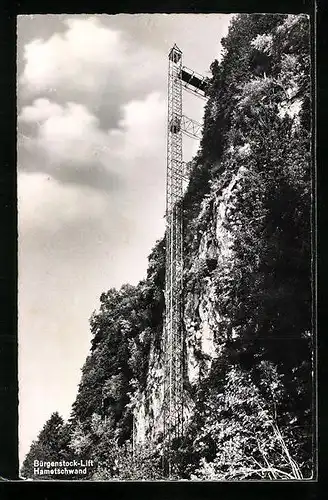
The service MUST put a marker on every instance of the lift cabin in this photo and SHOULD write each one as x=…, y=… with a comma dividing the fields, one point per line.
x=175, y=125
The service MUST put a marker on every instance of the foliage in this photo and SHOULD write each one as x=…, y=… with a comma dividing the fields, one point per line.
x=51, y=445
x=241, y=438
x=125, y=463
x=258, y=133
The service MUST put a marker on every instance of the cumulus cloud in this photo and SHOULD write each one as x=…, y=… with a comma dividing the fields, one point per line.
x=72, y=58
x=67, y=144
x=67, y=133
x=142, y=128
x=70, y=145
x=38, y=207
x=93, y=64
x=40, y=111
x=77, y=181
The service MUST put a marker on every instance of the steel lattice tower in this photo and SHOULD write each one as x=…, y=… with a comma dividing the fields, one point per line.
x=173, y=338
x=173, y=402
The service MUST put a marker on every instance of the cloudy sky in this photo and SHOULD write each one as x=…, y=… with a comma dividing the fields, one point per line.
x=92, y=106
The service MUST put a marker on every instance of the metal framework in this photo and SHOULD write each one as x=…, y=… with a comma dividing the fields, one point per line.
x=193, y=82
x=191, y=127
x=177, y=171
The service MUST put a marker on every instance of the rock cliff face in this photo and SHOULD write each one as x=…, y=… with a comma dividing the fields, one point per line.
x=242, y=237
x=210, y=261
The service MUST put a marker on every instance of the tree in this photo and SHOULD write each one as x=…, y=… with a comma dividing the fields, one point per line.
x=50, y=446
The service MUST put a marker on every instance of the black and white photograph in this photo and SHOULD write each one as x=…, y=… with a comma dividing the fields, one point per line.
x=166, y=248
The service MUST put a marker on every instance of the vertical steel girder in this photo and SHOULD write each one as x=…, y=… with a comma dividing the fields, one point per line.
x=173, y=337
x=173, y=397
